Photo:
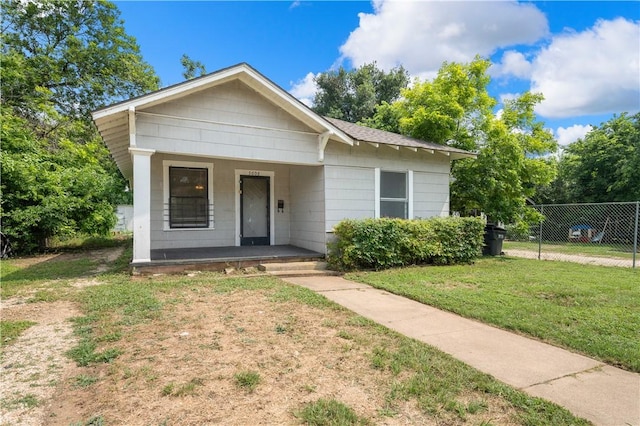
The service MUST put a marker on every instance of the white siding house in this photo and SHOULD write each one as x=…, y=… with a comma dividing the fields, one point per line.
x=231, y=159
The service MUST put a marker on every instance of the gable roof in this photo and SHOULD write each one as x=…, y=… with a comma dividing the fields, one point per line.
x=375, y=136
x=114, y=122
x=245, y=73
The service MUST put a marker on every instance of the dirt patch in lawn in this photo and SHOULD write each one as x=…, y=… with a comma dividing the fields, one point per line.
x=182, y=368
x=35, y=365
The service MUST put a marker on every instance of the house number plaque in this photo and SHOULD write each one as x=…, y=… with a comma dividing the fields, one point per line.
x=254, y=173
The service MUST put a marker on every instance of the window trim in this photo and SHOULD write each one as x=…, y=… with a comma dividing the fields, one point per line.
x=166, y=164
x=377, y=191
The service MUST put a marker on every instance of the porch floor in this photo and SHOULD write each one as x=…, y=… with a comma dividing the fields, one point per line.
x=231, y=253
x=219, y=258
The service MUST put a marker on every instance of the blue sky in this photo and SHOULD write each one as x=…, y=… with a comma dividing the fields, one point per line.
x=583, y=56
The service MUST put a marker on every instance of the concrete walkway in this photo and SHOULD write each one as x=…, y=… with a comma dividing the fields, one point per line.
x=588, y=388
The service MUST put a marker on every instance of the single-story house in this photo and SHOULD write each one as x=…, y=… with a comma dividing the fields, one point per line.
x=232, y=159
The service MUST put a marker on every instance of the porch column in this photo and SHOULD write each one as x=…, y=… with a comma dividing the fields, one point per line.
x=141, y=204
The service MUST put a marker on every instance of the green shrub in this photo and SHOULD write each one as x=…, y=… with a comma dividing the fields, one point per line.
x=385, y=243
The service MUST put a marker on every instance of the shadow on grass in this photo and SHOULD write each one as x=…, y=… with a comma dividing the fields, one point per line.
x=67, y=265
x=60, y=266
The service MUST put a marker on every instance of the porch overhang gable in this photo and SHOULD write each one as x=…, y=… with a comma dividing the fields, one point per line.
x=116, y=127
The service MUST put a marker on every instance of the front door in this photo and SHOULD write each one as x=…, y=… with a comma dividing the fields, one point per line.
x=254, y=211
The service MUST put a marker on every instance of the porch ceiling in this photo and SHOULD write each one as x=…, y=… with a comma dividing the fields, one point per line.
x=114, y=130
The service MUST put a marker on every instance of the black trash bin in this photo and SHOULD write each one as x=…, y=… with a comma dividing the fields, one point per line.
x=493, y=238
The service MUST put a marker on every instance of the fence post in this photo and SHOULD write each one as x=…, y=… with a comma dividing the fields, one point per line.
x=540, y=233
x=635, y=236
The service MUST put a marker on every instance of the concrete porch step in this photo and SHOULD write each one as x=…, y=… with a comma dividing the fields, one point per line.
x=296, y=269
x=293, y=266
x=303, y=273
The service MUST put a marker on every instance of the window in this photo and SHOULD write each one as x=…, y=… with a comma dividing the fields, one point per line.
x=394, y=190
x=393, y=194
x=188, y=203
x=188, y=195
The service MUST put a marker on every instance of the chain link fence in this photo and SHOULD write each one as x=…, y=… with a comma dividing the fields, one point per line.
x=602, y=234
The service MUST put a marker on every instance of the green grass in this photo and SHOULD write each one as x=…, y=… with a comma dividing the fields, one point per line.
x=450, y=390
x=11, y=330
x=437, y=382
x=587, y=249
x=109, y=308
x=189, y=388
x=590, y=309
x=93, y=421
x=329, y=412
x=247, y=380
x=24, y=401
x=15, y=279
x=84, y=381
x=56, y=273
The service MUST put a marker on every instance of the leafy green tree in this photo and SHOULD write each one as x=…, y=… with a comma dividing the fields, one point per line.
x=49, y=191
x=456, y=109
x=353, y=95
x=71, y=56
x=61, y=60
x=451, y=109
x=512, y=161
x=604, y=166
x=191, y=67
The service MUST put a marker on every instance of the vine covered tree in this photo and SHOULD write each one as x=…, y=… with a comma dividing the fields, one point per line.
x=61, y=60
x=73, y=56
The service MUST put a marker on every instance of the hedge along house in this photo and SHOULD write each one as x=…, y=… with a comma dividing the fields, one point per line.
x=232, y=160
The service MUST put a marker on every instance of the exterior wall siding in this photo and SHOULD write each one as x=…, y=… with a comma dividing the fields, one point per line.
x=430, y=194
x=350, y=176
x=350, y=193
x=224, y=201
x=229, y=121
x=307, y=208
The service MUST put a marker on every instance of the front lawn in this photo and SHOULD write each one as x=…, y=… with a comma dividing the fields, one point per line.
x=209, y=348
x=590, y=309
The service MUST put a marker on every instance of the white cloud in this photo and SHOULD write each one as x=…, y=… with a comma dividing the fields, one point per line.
x=305, y=89
x=567, y=135
x=420, y=35
x=512, y=63
x=592, y=72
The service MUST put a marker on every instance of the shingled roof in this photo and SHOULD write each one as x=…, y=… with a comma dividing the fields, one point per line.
x=375, y=136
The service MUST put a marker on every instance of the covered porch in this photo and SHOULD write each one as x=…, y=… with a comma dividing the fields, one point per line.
x=220, y=258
